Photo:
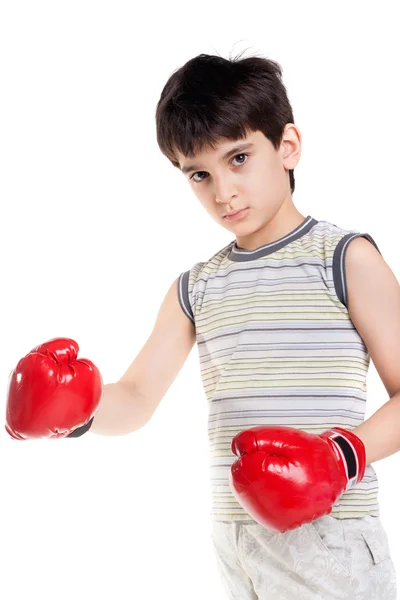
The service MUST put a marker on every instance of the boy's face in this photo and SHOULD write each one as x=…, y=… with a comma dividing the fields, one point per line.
x=254, y=178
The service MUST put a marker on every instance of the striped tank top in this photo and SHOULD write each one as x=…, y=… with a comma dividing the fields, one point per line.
x=276, y=346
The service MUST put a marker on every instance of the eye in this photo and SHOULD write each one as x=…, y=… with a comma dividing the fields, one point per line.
x=197, y=173
x=240, y=155
x=200, y=172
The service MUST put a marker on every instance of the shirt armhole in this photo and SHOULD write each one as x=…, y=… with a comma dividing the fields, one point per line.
x=183, y=295
x=338, y=264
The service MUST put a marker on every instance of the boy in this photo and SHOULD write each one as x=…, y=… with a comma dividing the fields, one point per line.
x=281, y=317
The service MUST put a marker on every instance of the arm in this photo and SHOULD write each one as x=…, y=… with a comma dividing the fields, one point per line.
x=128, y=404
x=374, y=308
x=121, y=411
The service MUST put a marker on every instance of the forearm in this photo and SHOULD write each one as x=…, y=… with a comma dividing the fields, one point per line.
x=121, y=411
x=381, y=432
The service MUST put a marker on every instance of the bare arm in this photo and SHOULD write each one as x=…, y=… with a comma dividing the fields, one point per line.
x=121, y=411
x=128, y=404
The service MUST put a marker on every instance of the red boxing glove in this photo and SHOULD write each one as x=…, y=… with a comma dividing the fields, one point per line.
x=286, y=477
x=52, y=392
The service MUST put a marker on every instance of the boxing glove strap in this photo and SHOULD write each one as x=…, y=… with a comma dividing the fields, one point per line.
x=352, y=449
x=349, y=455
x=81, y=430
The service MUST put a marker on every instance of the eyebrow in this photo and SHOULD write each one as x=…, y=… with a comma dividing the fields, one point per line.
x=235, y=150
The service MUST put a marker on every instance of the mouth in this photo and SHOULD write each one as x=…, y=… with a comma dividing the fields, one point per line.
x=237, y=214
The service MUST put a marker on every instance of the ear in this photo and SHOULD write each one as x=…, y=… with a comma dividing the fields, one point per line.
x=291, y=146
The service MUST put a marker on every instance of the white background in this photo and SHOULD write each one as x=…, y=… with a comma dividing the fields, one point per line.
x=95, y=226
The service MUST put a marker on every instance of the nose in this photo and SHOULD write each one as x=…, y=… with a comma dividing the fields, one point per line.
x=224, y=192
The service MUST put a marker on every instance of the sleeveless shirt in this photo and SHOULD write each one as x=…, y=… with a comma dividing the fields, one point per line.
x=276, y=346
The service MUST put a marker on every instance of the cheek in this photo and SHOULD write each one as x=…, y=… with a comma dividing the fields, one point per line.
x=260, y=185
x=207, y=203
x=206, y=199
x=269, y=181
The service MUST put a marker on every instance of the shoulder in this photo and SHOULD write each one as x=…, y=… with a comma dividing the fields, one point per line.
x=369, y=277
x=350, y=243
x=361, y=250
x=212, y=264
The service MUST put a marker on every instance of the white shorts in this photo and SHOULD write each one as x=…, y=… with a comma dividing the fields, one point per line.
x=327, y=559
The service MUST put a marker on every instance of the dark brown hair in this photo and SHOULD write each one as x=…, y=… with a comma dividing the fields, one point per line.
x=212, y=98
